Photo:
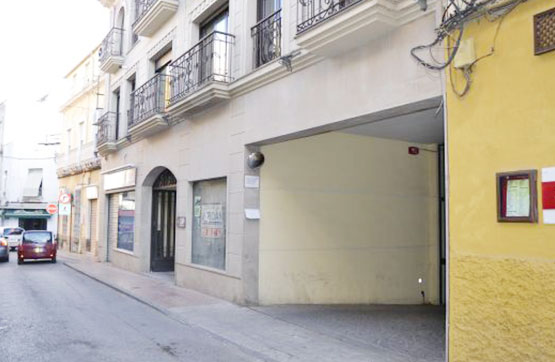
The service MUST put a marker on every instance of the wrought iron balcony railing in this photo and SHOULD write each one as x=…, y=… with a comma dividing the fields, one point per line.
x=106, y=128
x=149, y=99
x=313, y=12
x=141, y=8
x=112, y=45
x=208, y=61
x=266, y=36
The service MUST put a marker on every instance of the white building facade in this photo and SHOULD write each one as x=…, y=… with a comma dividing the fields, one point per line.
x=345, y=207
x=29, y=185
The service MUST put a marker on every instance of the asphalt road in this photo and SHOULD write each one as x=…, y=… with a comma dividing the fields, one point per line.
x=49, y=312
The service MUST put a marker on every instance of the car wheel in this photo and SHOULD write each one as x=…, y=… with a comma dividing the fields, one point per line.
x=19, y=261
x=54, y=260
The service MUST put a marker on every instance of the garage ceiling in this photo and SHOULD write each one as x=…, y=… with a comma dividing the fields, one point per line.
x=419, y=127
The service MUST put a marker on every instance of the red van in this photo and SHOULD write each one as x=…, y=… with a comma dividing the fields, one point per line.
x=36, y=245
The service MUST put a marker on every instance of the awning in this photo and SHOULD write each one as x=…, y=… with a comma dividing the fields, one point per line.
x=33, y=183
x=27, y=214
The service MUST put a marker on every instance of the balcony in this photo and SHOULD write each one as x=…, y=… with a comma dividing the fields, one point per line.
x=150, y=15
x=106, y=133
x=266, y=36
x=331, y=27
x=111, y=51
x=200, y=77
x=148, y=106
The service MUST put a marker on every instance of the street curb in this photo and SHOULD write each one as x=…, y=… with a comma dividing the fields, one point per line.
x=121, y=290
x=172, y=315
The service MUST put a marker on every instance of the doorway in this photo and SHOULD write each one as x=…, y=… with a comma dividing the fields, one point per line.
x=162, y=254
x=32, y=224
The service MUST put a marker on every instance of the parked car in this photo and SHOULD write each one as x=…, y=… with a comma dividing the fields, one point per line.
x=12, y=236
x=36, y=244
x=4, y=250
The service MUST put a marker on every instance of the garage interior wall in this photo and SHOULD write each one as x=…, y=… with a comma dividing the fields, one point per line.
x=348, y=218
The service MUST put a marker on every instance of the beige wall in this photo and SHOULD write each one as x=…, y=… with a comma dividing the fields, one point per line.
x=348, y=219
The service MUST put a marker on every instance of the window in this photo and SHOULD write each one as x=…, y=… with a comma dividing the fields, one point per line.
x=267, y=32
x=267, y=8
x=68, y=139
x=37, y=238
x=12, y=231
x=219, y=22
x=214, y=51
x=126, y=220
x=117, y=100
x=209, y=223
x=130, y=96
x=33, y=184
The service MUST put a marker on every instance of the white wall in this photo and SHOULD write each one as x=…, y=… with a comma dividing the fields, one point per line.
x=348, y=219
x=18, y=158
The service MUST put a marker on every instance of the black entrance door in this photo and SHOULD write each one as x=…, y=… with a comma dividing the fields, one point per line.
x=162, y=254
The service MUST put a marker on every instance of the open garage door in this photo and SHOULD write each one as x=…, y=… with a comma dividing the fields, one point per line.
x=353, y=216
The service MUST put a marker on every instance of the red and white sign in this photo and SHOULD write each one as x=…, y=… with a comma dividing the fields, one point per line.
x=65, y=198
x=52, y=209
x=548, y=195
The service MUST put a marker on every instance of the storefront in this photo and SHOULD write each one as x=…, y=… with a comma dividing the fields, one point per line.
x=78, y=220
x=119, y=188
x=27, y=219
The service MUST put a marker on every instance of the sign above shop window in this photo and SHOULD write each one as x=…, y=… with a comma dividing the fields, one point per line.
x=517, y=196
x=92, y=192
x=120, y=179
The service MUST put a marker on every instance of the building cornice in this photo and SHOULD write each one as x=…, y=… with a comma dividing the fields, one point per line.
x=77, y=168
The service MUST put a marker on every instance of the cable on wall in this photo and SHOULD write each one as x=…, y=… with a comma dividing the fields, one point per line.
x=455, y=15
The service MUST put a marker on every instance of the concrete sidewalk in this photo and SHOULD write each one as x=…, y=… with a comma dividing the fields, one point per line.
x=260, y=331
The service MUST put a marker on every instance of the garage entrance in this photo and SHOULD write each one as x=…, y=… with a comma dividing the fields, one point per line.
x=356, y=216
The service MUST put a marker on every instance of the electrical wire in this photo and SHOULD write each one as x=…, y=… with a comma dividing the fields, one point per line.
x=453, y=19
x=467, y=71
x=455, y=15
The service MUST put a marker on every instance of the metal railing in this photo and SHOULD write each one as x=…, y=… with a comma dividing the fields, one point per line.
x=112, y=45
x=266, y=36
x=106, y=128
x=209, y=60
x=141, y=8
x=313, y=12
x=149, y=99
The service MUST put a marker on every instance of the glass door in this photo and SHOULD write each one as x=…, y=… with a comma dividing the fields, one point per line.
x=214, y=48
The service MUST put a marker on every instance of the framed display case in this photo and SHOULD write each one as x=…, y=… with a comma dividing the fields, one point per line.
x=517, y=197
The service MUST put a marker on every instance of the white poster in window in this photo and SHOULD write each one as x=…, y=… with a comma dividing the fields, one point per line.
x=518, y=198
x=212, y=221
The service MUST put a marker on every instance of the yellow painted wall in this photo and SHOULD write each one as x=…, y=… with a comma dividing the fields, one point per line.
x=502, y=276
x=347, y=219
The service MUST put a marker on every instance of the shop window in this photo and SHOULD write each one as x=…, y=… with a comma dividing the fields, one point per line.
x=209, y=223
x=126, y=220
